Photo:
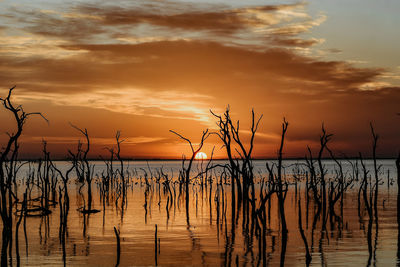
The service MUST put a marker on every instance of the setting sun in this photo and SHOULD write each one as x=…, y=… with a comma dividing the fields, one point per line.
x=201, y=156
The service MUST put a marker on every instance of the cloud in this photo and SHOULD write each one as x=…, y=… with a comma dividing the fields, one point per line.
x=185, y=16
x=297, y=42
x=335, y=50
x=52, y=23
x=166, y=104
x=373, y=86
x=97, y=140
x=293, y=29
x=28, y=46
x=177, y=67
x=96, y=22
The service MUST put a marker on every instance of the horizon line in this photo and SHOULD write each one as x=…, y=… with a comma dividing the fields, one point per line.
x=180, y=159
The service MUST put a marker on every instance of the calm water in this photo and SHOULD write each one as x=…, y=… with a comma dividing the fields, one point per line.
x=213, y=237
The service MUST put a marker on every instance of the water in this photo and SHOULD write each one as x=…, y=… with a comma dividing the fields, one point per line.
x=213, y=237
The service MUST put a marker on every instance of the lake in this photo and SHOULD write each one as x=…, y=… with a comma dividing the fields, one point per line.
x=214, y=231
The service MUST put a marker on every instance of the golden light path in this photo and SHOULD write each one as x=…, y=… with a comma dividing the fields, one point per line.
x=201, y=155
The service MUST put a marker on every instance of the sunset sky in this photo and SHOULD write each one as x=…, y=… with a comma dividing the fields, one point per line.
x=145, y=67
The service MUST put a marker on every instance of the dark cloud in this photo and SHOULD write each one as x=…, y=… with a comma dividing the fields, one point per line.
x=335, y=50
x=182, y=16
x=294, y=42
x=87, y=21
x=53, y=24
x=176, y=64
x=221, y=21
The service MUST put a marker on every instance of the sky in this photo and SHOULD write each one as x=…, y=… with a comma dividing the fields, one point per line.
x=146, y=67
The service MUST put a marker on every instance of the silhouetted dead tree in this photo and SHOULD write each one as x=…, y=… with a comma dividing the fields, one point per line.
x=338, y=187
x=107, y=182
x=203, y=174
x=276, y=177
x=64, y=177
x=245, y=155
x=246, y=169
x=224, y=133
x=282, y=188
x=76, y=159
x=277, y=180
x=121, y=171
x=82, y=164
x=118, y=153
x=194, y=152
x=266, y=192
x=368, y=190
x=46, y=182
x=186, y=170
x=324, y=139
x=242, y=167
x=9, y=156
x=375, y=138
x=109, y=164
x=377, y=168
x=281, y=192
x=314, y=181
